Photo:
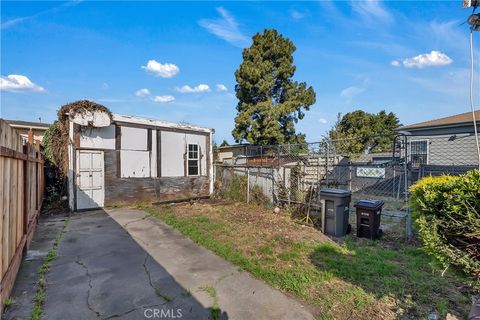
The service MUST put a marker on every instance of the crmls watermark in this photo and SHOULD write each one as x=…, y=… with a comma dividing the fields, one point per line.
x=153, y=313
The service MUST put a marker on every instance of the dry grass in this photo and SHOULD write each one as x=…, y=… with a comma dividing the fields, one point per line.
x=357, y=279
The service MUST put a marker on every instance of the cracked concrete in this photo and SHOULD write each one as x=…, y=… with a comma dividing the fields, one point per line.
x=97, y=314
x=240, y=296
x=106, y=271
x=100, y=272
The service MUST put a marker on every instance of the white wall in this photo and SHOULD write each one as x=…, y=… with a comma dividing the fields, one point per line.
x=173, y=149
x=136, y=160
x=171, y=153
x=98, y=138
x=134, y=138
x=135, y=164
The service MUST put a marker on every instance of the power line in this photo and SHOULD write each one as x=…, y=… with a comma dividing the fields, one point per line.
x=472, y=70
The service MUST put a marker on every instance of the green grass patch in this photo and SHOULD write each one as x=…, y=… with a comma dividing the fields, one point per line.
x=8, y=302
x=42, y=271
x=360, y=276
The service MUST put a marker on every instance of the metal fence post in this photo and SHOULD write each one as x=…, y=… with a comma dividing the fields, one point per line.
x=248, y=184
x=318, y=164
x=405, y=167
x=327, y=161
x=408, y=226
x=349, y=175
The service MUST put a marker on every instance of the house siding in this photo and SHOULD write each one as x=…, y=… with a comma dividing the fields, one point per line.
x=128, y=190
x=451, y=149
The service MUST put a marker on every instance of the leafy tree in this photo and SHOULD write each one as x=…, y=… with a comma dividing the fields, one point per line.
x=224, y=143
x=360, y=131
x=270, y=102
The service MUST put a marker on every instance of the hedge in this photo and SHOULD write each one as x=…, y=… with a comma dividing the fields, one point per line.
x=446, y=211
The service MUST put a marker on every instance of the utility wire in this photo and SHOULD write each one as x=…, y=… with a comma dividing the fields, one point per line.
x=471, y=97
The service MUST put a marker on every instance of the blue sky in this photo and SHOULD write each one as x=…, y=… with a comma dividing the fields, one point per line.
x=409, y=57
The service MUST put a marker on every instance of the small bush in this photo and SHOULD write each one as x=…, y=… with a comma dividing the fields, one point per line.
x=257, y=196
x=236, y=190
x=446, y=210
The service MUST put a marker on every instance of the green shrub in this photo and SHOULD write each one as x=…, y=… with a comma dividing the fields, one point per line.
x=446, y=211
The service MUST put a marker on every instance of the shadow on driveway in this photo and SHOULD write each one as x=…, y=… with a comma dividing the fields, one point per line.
x=101, y=273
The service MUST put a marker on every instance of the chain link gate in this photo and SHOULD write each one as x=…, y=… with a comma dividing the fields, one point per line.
x=292, y=175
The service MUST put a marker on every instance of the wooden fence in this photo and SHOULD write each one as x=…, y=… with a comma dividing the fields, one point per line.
x=21, y=195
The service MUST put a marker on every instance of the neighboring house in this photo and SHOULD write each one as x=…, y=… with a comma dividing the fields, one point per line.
x=23, y=127
x=236, y=154
x=443, y=145
x=228, y=153
x=130, y=159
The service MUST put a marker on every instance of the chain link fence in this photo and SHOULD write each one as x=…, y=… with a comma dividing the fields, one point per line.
x=293, y=175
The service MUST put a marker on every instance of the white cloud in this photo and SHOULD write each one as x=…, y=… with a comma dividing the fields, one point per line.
x=395, y=63
x=197, y=89
x=163, y=99
x=221, y=87
x=297, y=15
x=322, y=120
x=226, y=28
x=372, y=10
x=142, y=93
x=351, y=91
x=166, y=70
x=432, y=59
x=16, y=83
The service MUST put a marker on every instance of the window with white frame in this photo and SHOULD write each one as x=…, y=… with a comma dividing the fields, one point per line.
x=419, y=152
x=193, y=160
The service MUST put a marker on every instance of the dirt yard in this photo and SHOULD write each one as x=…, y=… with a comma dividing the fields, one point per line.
x=338, y=280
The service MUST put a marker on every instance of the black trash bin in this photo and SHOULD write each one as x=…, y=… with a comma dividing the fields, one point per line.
x=335, y=211
x=369, y=213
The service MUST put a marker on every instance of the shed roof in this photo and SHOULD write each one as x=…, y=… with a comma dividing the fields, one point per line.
x=28, y=124
x=458, y=119
x=159, y=123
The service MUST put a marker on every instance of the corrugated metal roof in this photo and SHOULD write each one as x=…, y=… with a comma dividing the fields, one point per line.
x=462, y=118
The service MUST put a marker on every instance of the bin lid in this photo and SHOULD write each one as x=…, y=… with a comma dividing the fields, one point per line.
x=335, y=192
x=369, y=204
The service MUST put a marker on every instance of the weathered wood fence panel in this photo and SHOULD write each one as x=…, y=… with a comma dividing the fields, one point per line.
x=21, y=195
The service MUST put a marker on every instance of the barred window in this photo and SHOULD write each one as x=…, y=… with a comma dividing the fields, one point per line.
x=419, y=152
x=193, y=159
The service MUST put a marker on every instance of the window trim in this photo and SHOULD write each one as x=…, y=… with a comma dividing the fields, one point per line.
x=192, y=159
x=428, y=151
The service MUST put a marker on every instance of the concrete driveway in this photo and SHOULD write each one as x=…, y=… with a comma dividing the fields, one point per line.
x=124, y=264
x=239, y=295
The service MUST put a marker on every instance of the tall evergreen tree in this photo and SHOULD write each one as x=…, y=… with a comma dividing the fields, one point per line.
x=270, y=102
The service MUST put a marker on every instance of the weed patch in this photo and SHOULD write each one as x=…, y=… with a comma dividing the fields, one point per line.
x=44, y=268
x=368, y=279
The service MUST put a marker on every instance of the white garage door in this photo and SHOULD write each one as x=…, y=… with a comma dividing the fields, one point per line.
x=90, y=183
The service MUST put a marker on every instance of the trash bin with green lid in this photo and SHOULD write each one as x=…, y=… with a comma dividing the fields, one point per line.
x=335, y=211
x=369, y=213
